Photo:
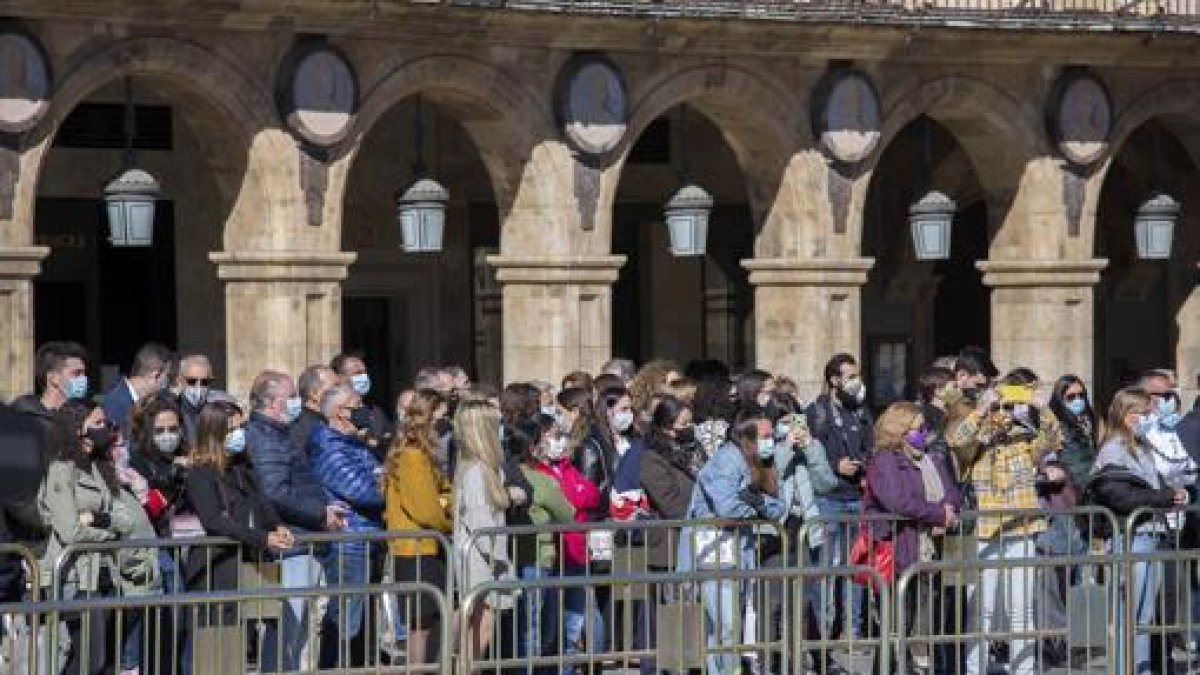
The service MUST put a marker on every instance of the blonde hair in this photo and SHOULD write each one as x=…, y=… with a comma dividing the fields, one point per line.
x=683, y=389
x=1125, y=401
x=650, y=381
x=893, y=424
x=477, y=431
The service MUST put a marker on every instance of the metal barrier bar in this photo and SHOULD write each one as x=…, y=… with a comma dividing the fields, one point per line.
x=683, y=643
x=227, y=612
x=954, y=635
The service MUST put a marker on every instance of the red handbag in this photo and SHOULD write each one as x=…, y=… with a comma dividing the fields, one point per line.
x=878, y=555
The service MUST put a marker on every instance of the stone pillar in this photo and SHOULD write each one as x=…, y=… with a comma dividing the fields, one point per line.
x=557, y=313
x=18, y=266
x=1187, y=350
x=1043, y=314
x=283, y=310
x=804, y=312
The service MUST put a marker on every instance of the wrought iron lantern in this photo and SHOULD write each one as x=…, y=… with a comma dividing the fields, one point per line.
x=129, y=199
x=421, y=214
x=687, y=216
x=1154, y=227
x=931, y=219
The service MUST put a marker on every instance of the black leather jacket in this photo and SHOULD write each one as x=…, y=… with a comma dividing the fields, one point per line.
x=595, y=459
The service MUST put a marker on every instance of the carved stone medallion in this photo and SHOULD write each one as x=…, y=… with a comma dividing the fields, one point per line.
x=1080, y=116
x=594, y=105
x=24, y=82
x=847, y=116
x=321, y=94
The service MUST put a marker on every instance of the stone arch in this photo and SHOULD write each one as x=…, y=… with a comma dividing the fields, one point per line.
x=762, y=134
x=503, y=118
x=226, y=108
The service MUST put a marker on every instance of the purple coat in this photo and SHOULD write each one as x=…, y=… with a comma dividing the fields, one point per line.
x=895, y=487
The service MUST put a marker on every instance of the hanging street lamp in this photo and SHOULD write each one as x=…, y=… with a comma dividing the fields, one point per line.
x=687, y=212
x=129, y=199
x=930, y=219
x=421, y=208
x=1154, y=227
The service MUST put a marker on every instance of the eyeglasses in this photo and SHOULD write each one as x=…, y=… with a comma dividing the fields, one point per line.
x=166, y=430
x=198, y=381
x=1074, y=397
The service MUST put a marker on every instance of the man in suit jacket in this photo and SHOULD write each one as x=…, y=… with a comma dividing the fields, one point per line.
x=148, y=376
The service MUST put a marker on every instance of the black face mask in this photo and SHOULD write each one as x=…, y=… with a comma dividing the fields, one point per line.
x=848, y=401
x=101, y=438
x=971, y=394
x=442, y=426
x=360, y=417
x=686, y=437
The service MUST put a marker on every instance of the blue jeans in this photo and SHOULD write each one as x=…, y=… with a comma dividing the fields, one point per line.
x=345, y=565
x=575, y=607
x=174, y=634
x=534, y=621
x=1146, y=579
x=723, y=611
x=299, y=571
x=836, y=551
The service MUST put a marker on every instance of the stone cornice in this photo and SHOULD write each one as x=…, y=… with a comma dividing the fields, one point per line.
x=808, y=272
x=281, y=265
x=574, y=270
x=21, y=262
x=1044, y=273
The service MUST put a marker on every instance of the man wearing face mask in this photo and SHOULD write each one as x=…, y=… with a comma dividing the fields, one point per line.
x=147, y=376
x=312, y=384
x=287, y=480
x=194, y=384
x=350, y=474
x=841, y=422
x=352, y=370
x=970, y=377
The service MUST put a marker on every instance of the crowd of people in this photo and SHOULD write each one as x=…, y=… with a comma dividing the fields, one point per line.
x=164, y=454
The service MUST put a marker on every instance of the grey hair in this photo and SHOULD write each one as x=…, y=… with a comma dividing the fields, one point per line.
x=310, y=379
x=194, y=360
x=428, y=378
x=267, y=387
x=622, y=368
x=333, y=397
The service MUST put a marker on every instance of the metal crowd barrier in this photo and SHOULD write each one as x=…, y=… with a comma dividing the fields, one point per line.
x=712, y=620
x=218, y=630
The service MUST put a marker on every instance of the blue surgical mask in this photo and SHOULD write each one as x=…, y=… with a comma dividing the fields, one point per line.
x=361, y=384
x=77, y=387
x=1077, y=406
x=1144, y=425
x=235, y=441
x=294, y=406
x=1168, y=412
x=782, y=429
x=766, y=448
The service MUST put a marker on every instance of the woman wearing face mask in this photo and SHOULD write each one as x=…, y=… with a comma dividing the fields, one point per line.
x=1125, y=479
x=222, y=490
x=1071, y=404
x=417, y=496
x=81, y=500
x=755, y=395
x=585, y=498
x=539, y=444
x=905, y=480
x=668, y=475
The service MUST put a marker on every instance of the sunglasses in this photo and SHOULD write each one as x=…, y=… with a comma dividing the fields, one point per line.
x=166, y=430
x=1075, y=397
x=198, y=381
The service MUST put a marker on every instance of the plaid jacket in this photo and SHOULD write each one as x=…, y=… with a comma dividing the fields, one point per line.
x=1003, y=467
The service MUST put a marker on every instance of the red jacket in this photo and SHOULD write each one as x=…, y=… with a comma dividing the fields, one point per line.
x=584, y=496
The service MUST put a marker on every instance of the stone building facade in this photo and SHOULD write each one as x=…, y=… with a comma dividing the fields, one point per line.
x=275, y=236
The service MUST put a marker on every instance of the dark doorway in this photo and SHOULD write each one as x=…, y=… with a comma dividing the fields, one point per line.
x=366, y=325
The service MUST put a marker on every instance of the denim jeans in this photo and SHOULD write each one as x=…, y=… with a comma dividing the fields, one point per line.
x=174, y=637
x=1146, y=578
x=576, y=606
x=299, y=571
x=836, y=551
x=342, y=627
x=534, y=620
x=723, y=610
x=1020, y=586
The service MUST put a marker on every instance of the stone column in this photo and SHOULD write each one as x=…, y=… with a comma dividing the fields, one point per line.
x=283, y=310
x=804, y=312
x=557, y=313
x=1187, y=350
x=18, y=266
x=1043, y=314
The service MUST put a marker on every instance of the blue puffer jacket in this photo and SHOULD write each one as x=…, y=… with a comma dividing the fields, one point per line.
x=349, y=473
x=284, y=474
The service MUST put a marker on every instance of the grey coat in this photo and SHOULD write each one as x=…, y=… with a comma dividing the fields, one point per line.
x=67, y=492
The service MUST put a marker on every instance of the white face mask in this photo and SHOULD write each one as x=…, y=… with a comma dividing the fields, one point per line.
x=556, y=448
x=621, y=421
x=168, y=442
x=195, y=396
